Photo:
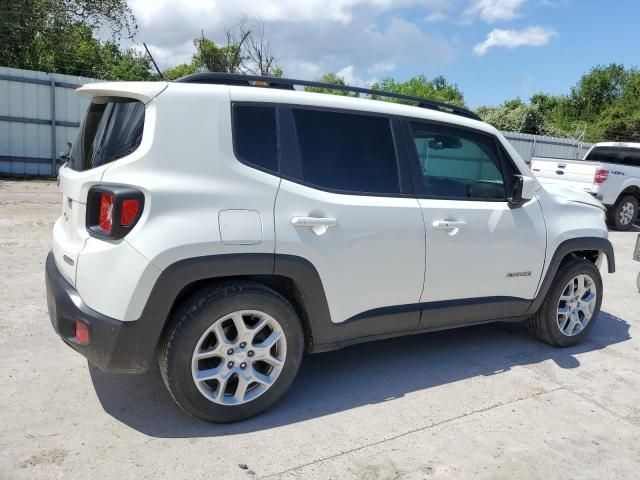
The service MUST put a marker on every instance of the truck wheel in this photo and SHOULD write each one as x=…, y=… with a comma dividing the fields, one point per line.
x=571, y=306
x=624, y=213
x=231, y=351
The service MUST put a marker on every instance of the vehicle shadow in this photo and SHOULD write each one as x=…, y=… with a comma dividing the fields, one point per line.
x=635, y=228
x=360, y=375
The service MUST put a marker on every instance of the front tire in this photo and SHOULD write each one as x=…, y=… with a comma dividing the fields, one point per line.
x=624, y=213
x=571, y=306
x=231, y=351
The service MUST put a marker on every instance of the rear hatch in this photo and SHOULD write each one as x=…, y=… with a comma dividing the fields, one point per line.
x=111, y=130
x=576, y=174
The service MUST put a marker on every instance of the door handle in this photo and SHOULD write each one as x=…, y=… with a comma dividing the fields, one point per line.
x=319, y=225
x=448, y=225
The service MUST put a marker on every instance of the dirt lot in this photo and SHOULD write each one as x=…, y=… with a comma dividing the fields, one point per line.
x=484, y=402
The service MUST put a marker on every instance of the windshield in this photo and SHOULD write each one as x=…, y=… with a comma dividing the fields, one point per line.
x=620, y=155
x=111, y=129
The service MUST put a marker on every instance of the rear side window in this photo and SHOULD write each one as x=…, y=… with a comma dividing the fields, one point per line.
x=255, y=136
x=111, y=129
x=455, y=163
x=620, y=155
x=347, y=152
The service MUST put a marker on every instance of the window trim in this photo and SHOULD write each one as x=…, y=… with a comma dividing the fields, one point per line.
x=293, y=164
x=415, y=161
x=505, y=162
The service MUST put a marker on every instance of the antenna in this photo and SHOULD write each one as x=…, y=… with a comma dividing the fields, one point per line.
x=153, y=61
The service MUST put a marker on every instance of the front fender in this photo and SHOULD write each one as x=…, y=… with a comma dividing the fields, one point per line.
x=567, y=247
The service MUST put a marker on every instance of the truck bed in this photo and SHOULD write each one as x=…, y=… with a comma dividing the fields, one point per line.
x=556, y=170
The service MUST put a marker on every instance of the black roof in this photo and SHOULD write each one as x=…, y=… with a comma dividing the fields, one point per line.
x=289, y=84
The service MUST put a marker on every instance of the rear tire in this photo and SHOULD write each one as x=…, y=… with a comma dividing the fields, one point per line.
x=231, y=351
x=624, y=213
x=568, y=302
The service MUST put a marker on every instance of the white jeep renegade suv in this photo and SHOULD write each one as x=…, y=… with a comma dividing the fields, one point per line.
x=225, y=224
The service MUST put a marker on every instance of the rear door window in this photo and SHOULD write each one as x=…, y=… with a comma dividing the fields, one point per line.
x=111, y=129
x=255, y=136
x=347, y=152
x=620, y=155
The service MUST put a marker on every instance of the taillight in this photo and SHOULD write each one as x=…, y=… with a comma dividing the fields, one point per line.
x=105, y=220
x=129, y=213
x=113, y=211
x=600, y=176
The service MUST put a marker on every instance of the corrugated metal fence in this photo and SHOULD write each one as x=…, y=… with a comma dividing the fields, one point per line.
x=539, y=146
x=40, y=113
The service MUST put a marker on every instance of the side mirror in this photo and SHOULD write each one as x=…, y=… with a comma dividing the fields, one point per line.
x=63, y=157
x=522, y=190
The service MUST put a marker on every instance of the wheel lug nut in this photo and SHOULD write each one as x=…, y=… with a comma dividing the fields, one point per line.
x=243, y=344
x=230, y=351
x=230, y=364
x=250, y=353
x=243, y=366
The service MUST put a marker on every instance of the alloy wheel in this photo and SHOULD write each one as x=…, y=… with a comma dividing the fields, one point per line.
x=576, y=305
x=239, y=357
x=626, y=214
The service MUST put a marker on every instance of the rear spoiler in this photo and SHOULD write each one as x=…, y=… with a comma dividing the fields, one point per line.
x=143, y=91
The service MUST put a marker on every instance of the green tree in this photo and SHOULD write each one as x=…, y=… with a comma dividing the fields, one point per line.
x=598, y=89
x=620, y=120
x=117, y=64
x=603, y=104
x=520, y=117
x=178, y=71
x=437, y=89
x=333, y=79
x=620, y=124
x=419, y=86
x=58, y=36
x=213, y=58
x=247, y=51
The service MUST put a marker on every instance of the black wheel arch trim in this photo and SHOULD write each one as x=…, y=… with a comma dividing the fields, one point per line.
x=568, y=247
x=131, y=346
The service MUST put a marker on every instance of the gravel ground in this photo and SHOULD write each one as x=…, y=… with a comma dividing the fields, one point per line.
x=486, y=402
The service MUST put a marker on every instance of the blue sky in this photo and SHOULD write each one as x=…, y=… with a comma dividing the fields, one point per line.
x=493, y=49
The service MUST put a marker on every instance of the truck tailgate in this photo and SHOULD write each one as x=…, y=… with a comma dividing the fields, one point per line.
x=555, y=170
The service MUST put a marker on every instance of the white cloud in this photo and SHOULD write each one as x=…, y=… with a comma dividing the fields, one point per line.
x=383, y=67
x=308, y=38
x=492, y=11
x=303, y=69
x=436, y=17
x=269, y=10
x=350, y=77
x=532, y=37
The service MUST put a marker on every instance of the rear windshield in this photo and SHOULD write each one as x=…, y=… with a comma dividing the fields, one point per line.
x=111, y=129
x=619, y=155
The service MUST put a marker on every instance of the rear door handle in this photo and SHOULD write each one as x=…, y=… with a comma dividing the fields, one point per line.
x=319, y=225
x=448, y=225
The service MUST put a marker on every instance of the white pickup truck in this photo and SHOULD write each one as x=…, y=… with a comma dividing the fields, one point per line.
x=610, y=172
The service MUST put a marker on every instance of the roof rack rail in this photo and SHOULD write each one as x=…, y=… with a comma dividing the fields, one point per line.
x=289, y=84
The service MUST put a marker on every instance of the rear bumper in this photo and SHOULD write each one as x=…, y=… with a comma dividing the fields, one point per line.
x=112, y=345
